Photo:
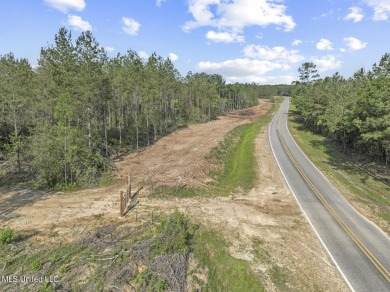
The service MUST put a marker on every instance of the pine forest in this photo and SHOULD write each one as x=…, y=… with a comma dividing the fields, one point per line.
x=353, y=113
x=63, y=120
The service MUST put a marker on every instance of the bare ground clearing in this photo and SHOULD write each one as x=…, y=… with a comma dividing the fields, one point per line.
x=265, y=227
x=178, y=159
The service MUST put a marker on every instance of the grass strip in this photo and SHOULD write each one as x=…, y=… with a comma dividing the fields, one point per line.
x=225, y=273
x=349, y=179
x=237, y=155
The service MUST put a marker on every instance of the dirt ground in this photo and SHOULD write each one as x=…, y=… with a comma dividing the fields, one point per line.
x=266, y=220
x=268, y=215
x=178, y=159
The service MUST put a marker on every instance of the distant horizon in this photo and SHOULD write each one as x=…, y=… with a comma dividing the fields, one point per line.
x=245, y=41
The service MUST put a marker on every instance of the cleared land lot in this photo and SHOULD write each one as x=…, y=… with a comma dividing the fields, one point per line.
x=264, y=227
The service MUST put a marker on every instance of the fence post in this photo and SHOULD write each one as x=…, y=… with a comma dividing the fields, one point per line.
x=129, y=184
x=121, y=204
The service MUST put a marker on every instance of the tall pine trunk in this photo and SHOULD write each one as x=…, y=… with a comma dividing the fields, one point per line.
x=89, y=134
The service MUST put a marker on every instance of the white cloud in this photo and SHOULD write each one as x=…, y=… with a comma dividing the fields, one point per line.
x=259, y=36
x=109, y=49
x=296, y=42
x=224, y=37
x=65, y=5
x=328, y=13
x=200, y=10
x=130, y=26
x=278, y=54
x=262, y=79
x=237, y=14
x=256, y=65
x=241, y=67
x=143, y=54
x=159, y=2
x=381, y=8
x=328, y=62
x=77, y=23
x=325, y=14
x=356, y=14
x=324, y=45
x=173, y=57
x=241, y=13
x=354, y=43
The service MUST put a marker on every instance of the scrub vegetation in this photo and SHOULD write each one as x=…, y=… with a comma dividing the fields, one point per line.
x=151, y=257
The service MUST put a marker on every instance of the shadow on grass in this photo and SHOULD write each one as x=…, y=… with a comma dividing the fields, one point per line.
x=185, y=192
x=357, y=169
x=316, y=144
x=337, y=158
x=10, y=181
x=19, y=199
x=23, y=194
x=24, y=235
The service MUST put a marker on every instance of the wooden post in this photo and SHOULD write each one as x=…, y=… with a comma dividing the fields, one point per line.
x=121, y=204
x=130, y=185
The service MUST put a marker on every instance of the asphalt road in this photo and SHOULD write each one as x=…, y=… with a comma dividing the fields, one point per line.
x=359, y=249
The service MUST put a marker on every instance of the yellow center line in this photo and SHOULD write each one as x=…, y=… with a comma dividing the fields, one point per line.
x=362, y=247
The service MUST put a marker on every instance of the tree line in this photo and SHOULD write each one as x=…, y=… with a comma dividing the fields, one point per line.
x=62, y=120
x=353, y=112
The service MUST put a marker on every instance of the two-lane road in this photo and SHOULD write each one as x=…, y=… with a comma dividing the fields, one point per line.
x=360, y=250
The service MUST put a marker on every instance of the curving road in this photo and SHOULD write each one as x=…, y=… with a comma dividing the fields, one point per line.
x=359, y=249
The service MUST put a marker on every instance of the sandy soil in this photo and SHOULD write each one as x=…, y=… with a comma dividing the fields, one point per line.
x=269, y=221
x=265, y=221
x=178, y=159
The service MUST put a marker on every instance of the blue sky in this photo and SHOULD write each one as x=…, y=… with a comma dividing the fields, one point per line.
x=263, y=41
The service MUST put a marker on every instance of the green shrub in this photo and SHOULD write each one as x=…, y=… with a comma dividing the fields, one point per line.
x=36, y=265
x=7, y=235
x=173, y=234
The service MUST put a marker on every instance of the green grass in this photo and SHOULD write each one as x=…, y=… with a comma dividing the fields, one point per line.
x=7, y=235
x=237, y=155
x=179, y=192
x=225, y=273
x=342, y=172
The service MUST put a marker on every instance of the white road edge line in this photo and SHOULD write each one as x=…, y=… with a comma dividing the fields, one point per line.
x=342, y=196
x=303, y=211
